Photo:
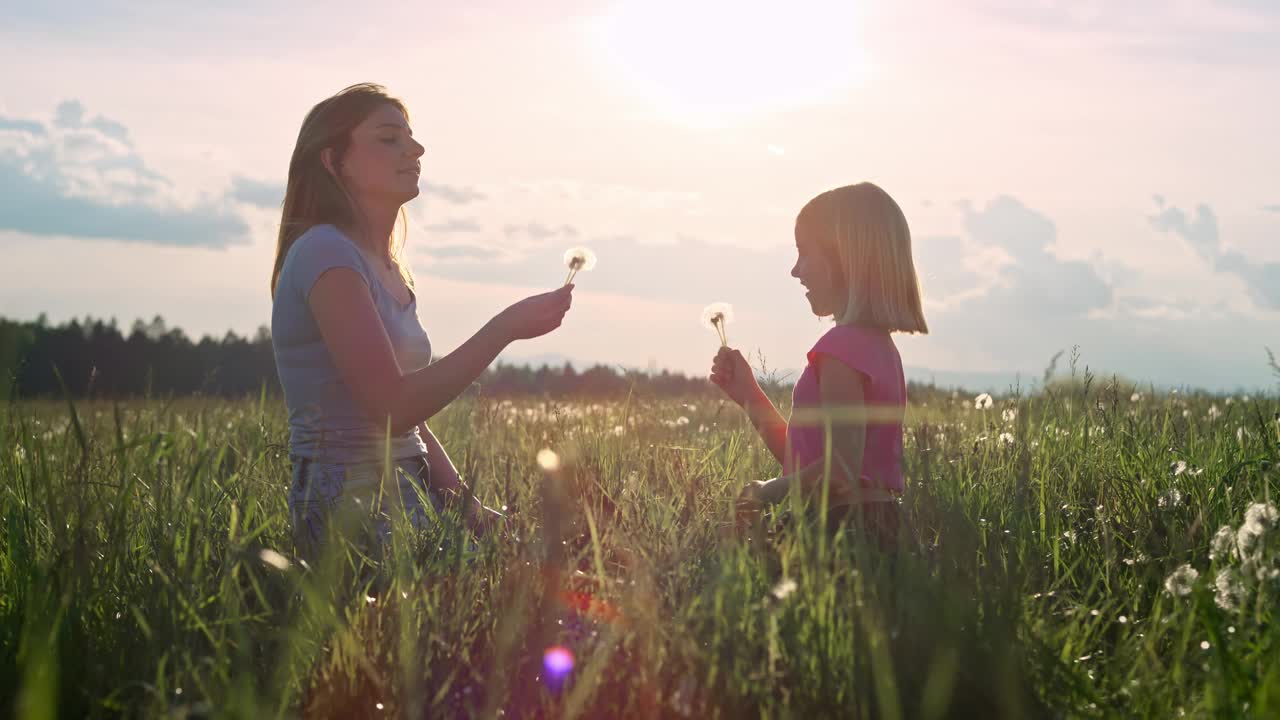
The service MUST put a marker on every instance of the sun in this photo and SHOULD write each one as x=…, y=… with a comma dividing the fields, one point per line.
x=712, y=61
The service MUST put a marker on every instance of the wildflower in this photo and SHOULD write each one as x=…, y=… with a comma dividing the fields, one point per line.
x=1241, y=434
x=682, y=420
x=716, y=317
x=1228, y=590
x=576, y=259
x=1178, y=467
x=1009, y=414
x=983, y=402
x=1214, y=412
x=1170, y=499
x=274, y=559
x=1136, y=397
x=618, y=430
x=1223, y=543
x=783, y=589
x=1006, y=439
x=1180, y=581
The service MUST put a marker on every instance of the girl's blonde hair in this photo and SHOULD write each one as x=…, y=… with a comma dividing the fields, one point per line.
x=313, y=196
x=866, y=238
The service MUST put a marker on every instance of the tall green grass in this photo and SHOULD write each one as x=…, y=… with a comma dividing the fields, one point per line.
x=1029, y=578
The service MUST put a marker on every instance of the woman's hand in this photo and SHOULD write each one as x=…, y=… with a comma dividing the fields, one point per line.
x=733, y=375
x=485, y=521
x=749, y=505
x=536, y=315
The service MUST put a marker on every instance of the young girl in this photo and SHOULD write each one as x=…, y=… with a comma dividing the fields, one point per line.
x=854, y=261
x=354, y=361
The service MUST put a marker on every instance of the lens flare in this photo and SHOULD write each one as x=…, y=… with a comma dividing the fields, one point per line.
x=558, y=662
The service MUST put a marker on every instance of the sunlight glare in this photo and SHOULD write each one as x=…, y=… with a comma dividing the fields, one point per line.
x=714, y=62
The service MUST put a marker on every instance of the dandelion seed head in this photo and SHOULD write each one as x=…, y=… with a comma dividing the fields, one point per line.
x=1169, y=499
x=983, y=402
x=1181, y=581
x=1228, y=590
x=783, y=589
x=1136, y=397
x=579, y=259
x=1006, y=439
x=274, y=559
x=1009, y=414
x=1224, y=541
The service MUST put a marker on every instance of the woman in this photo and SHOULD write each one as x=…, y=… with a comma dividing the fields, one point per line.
x=354, y=360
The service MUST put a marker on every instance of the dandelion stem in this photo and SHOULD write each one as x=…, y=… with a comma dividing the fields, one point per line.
x=724, y=339
x=572, y=272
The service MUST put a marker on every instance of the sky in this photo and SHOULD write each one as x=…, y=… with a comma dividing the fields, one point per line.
x=1093, y=175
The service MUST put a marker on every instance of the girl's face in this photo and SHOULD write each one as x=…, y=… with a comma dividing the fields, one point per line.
x=382, y=163
x=815, y=271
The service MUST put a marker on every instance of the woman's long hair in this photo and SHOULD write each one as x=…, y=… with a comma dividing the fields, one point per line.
x=313, y=196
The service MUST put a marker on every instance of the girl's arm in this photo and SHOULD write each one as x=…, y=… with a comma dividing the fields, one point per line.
x=769, y=423
x=732, y=374
x=358, y=343
x=843, y=404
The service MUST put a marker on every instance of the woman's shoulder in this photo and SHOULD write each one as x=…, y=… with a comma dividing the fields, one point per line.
x=321, y=248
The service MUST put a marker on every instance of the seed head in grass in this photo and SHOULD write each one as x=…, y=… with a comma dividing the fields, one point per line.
x=715, y=317
x=1224, y=541
x=274, y=559
x=1181, y=581
x=983, y=402
x=577, y=259
x=784, y=589
x=1228, y=590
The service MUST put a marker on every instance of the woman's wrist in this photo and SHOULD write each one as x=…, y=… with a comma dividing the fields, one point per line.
x=774, y=491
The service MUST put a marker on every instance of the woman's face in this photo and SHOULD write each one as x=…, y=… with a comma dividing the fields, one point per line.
x=814, y=270
x=382, y=163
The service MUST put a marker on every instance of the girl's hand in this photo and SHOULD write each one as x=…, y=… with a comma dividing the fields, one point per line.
x=536, y=315
x=733, y=375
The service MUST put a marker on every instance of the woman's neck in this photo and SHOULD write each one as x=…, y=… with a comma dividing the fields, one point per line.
x=373, y=229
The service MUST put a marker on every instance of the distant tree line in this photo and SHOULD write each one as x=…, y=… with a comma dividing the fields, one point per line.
x=95, y=358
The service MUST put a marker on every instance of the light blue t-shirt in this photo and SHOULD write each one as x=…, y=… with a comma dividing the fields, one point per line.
x=325, y=423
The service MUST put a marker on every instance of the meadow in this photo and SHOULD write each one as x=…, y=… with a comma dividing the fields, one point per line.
x=1089, y=549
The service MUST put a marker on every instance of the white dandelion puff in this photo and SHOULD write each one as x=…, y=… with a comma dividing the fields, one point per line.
x=578, y=259
x=716, y=317
x=1170, y=499
x=1178, y=467
x=1006, y=439
x=274, y=559
x=1136, y=397
x=1229, y=592
x=1181, y=581
x=1224, y=541
x=1261, y=516
x=783, y=589
x=983, y=402
x=1009, y=414
x=1214, y=412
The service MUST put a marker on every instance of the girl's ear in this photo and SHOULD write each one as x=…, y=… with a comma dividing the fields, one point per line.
x=326, y=157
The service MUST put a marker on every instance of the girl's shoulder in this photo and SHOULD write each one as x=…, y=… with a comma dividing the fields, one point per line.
x=867, y=350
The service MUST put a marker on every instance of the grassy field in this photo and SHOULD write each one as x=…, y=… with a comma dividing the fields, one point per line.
x=1063, y=556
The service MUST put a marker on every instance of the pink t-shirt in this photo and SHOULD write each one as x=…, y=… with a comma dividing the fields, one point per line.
x=874, y=356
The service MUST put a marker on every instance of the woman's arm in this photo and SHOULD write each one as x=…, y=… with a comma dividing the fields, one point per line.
x=362, y=352
x=444, y=476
